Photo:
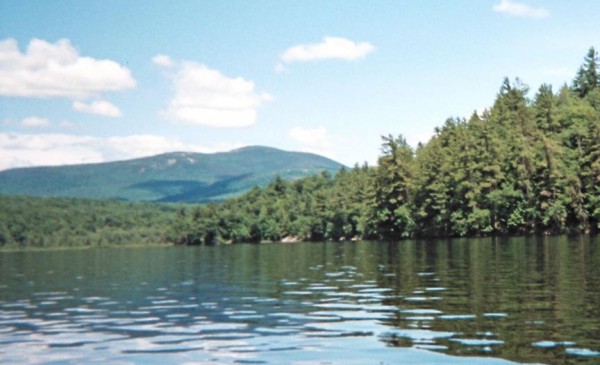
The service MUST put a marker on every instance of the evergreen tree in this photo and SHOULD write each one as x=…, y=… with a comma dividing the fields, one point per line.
x=393, y=188
x=587, y=78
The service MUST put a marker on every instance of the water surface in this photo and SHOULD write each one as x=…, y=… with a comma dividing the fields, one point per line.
x=479, y=301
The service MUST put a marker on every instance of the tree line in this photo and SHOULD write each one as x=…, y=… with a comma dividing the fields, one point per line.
x=35, y=222
x=526, y=165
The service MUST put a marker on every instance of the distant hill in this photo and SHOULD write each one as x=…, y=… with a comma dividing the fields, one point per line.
x=169, y=177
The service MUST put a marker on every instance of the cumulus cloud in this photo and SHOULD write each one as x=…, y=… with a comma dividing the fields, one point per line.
x=204, y=96
x=23, y=150
x=514, y=8
x=53, y=70
x=311, y=137
x=98, y=107
x=163, y=60
x=329, y=48
x=34, y=122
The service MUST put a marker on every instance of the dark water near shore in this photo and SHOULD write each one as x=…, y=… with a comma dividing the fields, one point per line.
x=479, y=301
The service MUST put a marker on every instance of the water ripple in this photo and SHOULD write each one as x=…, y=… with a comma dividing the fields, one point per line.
x=393, y=312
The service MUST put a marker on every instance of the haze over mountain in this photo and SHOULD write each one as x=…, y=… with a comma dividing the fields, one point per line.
x=170, y=177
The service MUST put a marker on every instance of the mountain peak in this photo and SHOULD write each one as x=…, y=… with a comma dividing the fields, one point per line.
x=256, y=149
x=169, y=177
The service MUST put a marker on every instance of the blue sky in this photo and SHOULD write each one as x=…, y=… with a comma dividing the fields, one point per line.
x=92, y=81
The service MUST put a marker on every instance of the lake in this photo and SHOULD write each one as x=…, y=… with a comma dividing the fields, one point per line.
x=473, y=301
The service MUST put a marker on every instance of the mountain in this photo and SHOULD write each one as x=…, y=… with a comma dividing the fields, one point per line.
x=169, y=177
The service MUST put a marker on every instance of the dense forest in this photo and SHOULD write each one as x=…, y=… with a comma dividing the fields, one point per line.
x=30, y=222
x=524, y=166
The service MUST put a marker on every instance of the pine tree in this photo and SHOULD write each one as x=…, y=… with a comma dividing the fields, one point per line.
x=393, y=187
x=587, y=78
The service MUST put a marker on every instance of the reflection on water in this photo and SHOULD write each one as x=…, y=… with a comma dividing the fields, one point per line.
x=419, y=302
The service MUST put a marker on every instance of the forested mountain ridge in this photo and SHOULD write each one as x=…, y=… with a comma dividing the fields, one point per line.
x=523, y=166
x=170, y=177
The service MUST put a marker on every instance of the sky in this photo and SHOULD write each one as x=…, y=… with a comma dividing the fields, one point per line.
x=96, y=81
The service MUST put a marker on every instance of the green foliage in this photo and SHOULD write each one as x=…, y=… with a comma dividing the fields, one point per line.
x=393, y=183
x=54, y=222
x=320, y=207
x=588, y=75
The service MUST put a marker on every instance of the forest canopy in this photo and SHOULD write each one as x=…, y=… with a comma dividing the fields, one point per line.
x=36, y=222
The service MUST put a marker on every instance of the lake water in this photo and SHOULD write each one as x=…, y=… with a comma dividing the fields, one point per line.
x=477, y=301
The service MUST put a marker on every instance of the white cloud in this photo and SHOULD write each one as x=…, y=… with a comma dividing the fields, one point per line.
x=163, y=60
x=98, y=107
x=22, y=150
x=49, y=70
x=34, y=122
x=311, y=137
x=514, y=8
x=329, y=48
x=204, y=96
